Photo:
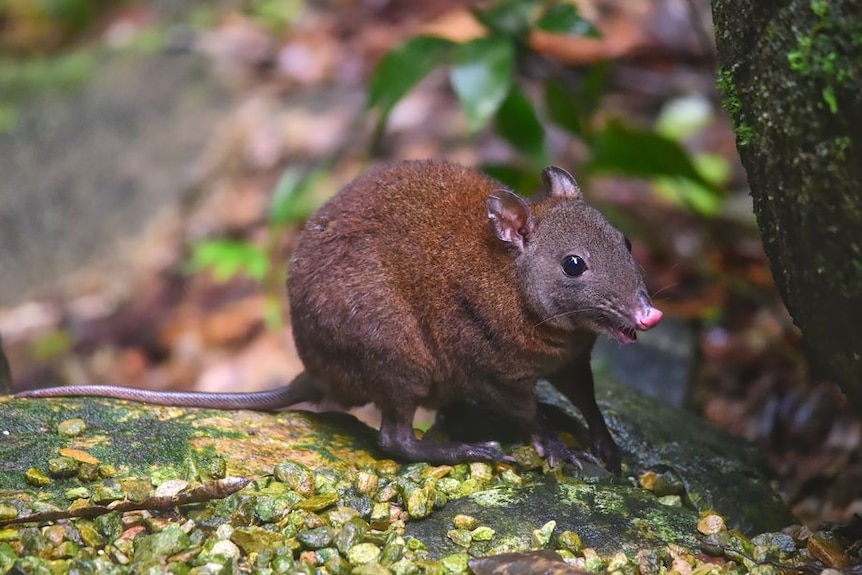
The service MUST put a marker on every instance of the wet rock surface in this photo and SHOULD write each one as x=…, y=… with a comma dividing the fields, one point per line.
x=316, y=488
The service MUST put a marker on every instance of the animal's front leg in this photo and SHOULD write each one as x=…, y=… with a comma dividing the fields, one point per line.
x=548, y=444
x=575, y=381
x=522, y=408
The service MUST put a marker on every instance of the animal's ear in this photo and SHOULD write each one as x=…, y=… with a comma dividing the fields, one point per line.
x=560, y=183
x=510, y=217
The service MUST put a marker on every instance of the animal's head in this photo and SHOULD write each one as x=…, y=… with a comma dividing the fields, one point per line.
x=576, y=269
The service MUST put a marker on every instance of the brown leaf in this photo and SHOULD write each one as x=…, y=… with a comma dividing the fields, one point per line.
x=79, y=455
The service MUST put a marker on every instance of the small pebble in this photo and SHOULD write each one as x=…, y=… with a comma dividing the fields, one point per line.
x=363, y=553
x=460, y=537
x=464, y=522
x=711, y=524
x=542, y=537
x=71, y=427
x=36, y=478
x=482, y=533
x=62, y=467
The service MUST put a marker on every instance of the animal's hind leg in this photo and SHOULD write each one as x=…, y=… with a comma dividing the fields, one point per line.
x=398, y=440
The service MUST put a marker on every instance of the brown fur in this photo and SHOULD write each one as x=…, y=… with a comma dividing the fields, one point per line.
x=402, y=295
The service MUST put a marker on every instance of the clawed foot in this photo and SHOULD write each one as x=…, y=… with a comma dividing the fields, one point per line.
x=489, y=451
x=398, y=440
x=448, y=453
x=557, y=452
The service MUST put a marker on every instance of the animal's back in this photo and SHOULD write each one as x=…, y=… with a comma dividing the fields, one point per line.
x=380, y=270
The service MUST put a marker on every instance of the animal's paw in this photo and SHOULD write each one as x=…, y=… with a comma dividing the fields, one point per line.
x=486, y=451
x=450, y=453
x=557, y=452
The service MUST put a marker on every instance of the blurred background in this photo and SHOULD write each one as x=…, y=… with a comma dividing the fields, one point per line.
x=157, y=160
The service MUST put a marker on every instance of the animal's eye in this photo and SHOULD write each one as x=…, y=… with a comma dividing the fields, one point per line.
x=574, y=266
x=628, y=244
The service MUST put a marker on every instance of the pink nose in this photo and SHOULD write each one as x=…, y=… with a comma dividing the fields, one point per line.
x=649, y=318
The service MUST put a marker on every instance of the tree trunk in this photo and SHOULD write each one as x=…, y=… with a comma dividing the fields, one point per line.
x=5, y=373
x=791, y=79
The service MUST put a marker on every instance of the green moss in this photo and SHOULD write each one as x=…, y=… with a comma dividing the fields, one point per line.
x=134, y=441
x=744, y=134
x=611, y=502
x=495, y=497
x=727, y=89
x=842, y=144
x=819, y=54
x=733, y=106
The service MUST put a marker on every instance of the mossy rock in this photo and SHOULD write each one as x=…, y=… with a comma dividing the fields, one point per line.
x=296, y=488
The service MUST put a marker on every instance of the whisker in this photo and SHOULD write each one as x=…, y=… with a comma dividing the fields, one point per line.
x=667, y=287
x=568, y=314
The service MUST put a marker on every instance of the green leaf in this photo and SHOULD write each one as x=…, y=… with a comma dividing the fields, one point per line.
x=572, y=108
x=273, y=312
x=703, y=200
x=482, y=77
x=696, y=197
x=229, y=258
x=562, y=107
x=507, y=17
x=289, y=200
x=566, y=19
x=684, y=117
x=73, y=13
x=830, y=99
x=401, y=69
x=52, y=345
x=593, y=87
x=518, y=123
x=632, y=152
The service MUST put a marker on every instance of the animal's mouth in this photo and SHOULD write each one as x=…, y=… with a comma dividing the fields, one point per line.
x=624, y=329
x=623, y=334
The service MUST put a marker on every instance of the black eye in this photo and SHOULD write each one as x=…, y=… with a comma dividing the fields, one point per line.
x=628, y=244
x=574, y=266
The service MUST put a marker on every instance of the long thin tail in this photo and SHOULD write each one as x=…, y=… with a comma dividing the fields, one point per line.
x=301, y=389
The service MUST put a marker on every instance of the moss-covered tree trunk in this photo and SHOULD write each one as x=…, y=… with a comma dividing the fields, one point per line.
x=791, y=78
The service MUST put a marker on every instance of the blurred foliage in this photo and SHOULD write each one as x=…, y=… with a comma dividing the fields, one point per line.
x=227, y=258
x=53, y=344
x=292, y=202
x=277, y=15
x=504, y=85
x=38, y=26
x=291, y=199
x=21, y=79
x=489, y=76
